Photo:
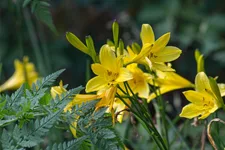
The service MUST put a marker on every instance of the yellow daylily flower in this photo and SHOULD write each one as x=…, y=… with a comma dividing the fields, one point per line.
x=24, y=71
x=203, y=99
x=109, y=71
x=119, y=108
x=106, y=96
x=168, y=81
x=159, y=53
x=139, y=83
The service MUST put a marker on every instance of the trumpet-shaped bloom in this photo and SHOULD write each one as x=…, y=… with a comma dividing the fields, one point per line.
x=158, y=53
x=168, y=81
x=203, y=99
x=139, y=83
x=24, y=72
x=106, y=97
x=109, y=71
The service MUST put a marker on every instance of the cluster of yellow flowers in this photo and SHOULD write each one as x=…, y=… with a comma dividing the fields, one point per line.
x=141, y=67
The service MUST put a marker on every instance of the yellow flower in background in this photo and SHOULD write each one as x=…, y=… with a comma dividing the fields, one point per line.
x=119, y=108
x=139, y=83
x=168, y=81
x=203, y=99
x=24, y=72
x=109, y=72
x=58, y=90
x=159, y=53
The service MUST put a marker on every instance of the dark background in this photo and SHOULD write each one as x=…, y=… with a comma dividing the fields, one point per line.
x=194, y=24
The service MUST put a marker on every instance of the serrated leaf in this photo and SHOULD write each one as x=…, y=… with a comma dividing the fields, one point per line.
x=70, y=145
x=42, y=13
x=15, y=96
x=26, y=2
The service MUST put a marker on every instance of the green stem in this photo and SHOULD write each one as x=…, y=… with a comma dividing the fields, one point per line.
x=144, y=124
x=143, y=114
x=34, y=42
x=45, y=48
x=161, y=114
x=177, y=132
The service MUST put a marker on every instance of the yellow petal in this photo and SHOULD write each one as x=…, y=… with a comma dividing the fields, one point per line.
x=142, y=89
x=163, y=89
x=57, y=90
x=161, y=42
x=124, y=75
x=96, y=84
x=144, y=52
x=204, y=115
x=147, y=34
x=108, y=58
x=190, y=111
x=73, y=127
x=83, y=98
x=202, y=82
x=98, y=69
x=108, y=99
x=161, y=66
x=22, y=69
x=222, y=89
x=197, y=98
x=169, y=53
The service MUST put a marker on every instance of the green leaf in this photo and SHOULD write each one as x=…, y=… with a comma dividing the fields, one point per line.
x=121, y=47
x=71, y=145
x=42, y=12
x=115, y=30
x=216, y=91
x=76, y=42
x=26, y=2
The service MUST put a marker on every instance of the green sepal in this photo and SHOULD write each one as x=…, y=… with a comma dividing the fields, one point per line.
x=91, y=48
x=121, y=47
x=216, y=91
x=136, y=48
x=115, y=30
x=76, y=42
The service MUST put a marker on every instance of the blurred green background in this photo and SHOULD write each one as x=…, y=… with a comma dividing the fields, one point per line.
x=193, y=24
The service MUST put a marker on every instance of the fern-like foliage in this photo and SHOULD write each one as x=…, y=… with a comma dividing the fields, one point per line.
x=70, y=145
x=41, y=9
x=29, y=114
